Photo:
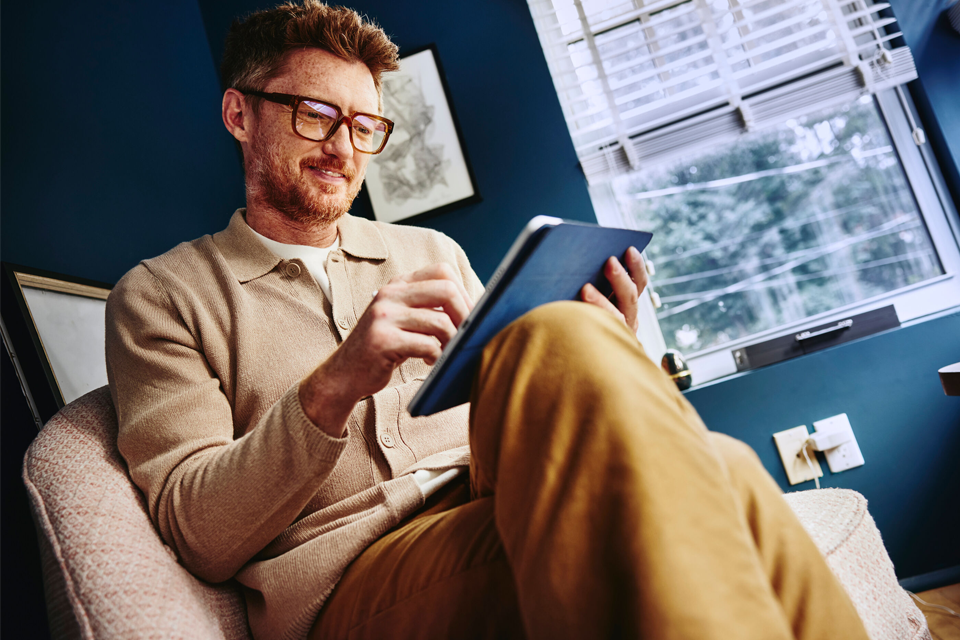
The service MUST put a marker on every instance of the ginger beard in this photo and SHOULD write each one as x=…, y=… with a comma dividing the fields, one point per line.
x=287, y=189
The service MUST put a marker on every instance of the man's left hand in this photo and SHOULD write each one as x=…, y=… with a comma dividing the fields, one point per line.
x=628, y=283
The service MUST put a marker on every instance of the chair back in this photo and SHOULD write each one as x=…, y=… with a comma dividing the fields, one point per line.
x=107, y=573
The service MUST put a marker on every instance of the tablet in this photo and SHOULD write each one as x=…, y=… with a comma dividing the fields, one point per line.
x=550, y=260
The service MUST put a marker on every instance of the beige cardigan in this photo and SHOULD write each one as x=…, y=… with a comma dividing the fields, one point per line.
x=205, y=347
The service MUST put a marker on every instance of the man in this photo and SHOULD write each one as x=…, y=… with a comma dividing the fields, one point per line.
x=260, y=377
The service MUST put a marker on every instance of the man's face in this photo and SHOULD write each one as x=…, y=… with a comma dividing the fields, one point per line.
x=306, y=181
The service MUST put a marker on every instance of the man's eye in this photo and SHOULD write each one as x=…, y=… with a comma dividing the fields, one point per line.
x=362, y=130
x=317, y=116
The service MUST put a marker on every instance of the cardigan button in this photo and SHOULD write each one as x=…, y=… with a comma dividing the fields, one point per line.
x=387, y=440
x=292, y=269
x=344, y=323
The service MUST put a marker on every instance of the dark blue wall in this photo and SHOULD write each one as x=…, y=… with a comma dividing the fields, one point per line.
x=112, y=147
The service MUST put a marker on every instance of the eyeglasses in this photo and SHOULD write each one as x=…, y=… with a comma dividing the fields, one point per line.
x=318, y=120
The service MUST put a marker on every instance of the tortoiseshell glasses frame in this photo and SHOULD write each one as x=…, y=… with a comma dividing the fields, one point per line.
x=318, y=120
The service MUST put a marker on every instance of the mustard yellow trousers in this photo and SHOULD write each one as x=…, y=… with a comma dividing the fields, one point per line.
x=599, y=506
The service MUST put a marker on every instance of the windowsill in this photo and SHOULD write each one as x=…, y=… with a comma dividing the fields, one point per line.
x=916, y=302
x=909, y=323
x=835, y=314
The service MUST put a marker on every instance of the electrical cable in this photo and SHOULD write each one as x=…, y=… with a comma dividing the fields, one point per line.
x=930, y=604
x=824, y=441
x=813, y=471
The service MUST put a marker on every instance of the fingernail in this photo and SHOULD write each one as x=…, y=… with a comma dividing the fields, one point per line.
x=633, y=252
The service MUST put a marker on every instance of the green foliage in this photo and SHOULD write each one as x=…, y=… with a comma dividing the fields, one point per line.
x=782, y=225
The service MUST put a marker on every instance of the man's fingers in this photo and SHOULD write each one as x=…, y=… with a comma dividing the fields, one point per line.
x=440, y=271
x=428, y=322
x=428, y=294
x=638, y=270
x=590, y=294
x=623, y=285
x=625, y=289
x=386, y=344
x=392, y=324
x=413, y=316
x=391, y=333
x=410, y=344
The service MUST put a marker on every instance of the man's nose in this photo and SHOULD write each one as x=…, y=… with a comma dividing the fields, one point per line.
x=338, y=143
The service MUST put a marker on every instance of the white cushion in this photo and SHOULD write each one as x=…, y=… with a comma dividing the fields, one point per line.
x=847, y=536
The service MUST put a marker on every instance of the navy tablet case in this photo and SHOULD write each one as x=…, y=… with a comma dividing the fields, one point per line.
x=551, y=260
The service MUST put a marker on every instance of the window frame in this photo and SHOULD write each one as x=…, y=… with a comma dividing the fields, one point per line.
x=913, y=303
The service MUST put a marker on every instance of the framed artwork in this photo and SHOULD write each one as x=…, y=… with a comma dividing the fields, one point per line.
x=423, y=171
x=53, y=330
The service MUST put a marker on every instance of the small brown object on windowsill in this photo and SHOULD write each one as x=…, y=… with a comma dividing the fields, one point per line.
x=676, y=367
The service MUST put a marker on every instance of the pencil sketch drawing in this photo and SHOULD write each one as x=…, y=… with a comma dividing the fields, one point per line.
x=411, y=166
x=424, y=167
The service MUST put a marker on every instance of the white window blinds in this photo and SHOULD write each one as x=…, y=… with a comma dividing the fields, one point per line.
x=642, y=80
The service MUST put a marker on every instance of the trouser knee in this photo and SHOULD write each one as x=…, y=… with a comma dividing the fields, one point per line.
x=569, y=345
x=569, y=329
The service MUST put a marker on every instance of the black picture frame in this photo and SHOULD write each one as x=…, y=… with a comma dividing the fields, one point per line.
x=24, y=328
x=424, y=171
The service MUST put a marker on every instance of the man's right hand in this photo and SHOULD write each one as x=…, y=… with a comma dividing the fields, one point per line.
x=413, y=316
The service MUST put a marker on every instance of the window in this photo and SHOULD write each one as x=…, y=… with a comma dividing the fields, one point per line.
x=768, y=146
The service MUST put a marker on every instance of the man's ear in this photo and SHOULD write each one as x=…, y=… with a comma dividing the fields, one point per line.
x=237, y=118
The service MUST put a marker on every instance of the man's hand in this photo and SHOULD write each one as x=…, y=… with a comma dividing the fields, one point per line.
x=627, y=285
x=413, y=316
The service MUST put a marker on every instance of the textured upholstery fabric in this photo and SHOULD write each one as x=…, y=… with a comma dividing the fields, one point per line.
x=844, y=531
x=107, y=574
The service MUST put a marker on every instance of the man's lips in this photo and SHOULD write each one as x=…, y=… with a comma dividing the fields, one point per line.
x=328, y=172
x=332, y=174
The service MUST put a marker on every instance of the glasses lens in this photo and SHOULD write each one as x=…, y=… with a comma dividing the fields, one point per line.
x=368, y=133
x=315, y=119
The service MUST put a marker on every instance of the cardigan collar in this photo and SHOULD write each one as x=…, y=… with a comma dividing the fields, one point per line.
x=249, y=258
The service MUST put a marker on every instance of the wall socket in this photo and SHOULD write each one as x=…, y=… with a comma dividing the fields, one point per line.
x=789, y=443
x=847, y=455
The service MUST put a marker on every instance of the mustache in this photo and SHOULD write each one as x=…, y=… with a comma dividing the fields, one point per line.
x=329, y=164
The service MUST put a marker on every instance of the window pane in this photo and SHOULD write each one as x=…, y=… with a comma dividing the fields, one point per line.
x=782, y=225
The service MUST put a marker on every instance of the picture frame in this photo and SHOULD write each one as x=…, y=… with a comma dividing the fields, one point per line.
x=53, y=330
x=424, y=170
